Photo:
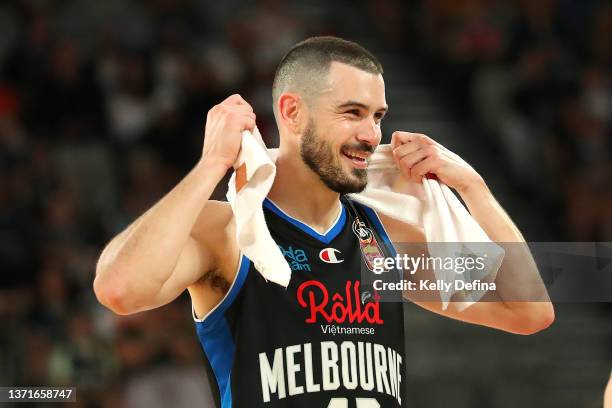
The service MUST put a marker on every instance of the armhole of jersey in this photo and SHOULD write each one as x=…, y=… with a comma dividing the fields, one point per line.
x=380, y=228
x=215, y=335
x=214, y=315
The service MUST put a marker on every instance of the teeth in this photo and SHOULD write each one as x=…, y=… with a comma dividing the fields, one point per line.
x=360, y=156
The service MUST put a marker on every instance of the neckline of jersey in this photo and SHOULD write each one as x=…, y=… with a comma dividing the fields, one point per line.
x=328, y=236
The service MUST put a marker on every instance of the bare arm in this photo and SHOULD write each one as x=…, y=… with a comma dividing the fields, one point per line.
x=520, y=286
x=418, y=155
x=161, y=254
x=146, y=265
x=520, y=302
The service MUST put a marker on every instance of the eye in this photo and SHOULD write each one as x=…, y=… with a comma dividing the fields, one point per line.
x=354, y=112
x=379, y=116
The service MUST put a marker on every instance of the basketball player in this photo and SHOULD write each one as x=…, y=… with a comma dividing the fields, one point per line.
x=324, y=341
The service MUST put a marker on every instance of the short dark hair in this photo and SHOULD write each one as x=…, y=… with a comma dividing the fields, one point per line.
x=309, y=61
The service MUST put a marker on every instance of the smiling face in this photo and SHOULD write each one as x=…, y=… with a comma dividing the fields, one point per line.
x=343, y=127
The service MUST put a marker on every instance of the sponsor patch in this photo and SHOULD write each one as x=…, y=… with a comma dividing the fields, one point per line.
x=297, y=259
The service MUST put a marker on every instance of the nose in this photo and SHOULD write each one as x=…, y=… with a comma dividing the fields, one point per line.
x=370, y=132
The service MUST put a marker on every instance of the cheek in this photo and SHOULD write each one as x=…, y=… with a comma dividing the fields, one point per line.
x=344, y=132
x=348, y=126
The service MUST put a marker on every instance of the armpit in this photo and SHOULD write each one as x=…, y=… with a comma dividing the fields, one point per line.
x=216, y=281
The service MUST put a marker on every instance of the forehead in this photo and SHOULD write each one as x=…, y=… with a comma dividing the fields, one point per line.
x=345, y=82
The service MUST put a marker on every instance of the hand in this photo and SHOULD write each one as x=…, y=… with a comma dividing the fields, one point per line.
x=223, y=134
x=417, y=155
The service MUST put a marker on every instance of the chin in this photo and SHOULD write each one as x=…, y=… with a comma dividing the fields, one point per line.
x=355, y=185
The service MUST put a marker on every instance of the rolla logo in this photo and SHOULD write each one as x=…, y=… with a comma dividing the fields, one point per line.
x=330, y=255
x=344, y=307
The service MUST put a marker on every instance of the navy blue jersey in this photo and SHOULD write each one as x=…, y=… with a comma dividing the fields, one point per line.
x=324, y=341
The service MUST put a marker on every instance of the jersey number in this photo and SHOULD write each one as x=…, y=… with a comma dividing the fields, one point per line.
x=361, y=403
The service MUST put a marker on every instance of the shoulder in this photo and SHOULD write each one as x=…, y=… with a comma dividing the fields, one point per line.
x=215, y=233
x=215, y=229
x=399, y=231
x=214, y=214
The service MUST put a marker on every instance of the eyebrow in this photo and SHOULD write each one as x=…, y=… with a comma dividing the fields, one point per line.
x=348, y=104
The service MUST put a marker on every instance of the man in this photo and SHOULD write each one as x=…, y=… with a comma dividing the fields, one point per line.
x=324, y=341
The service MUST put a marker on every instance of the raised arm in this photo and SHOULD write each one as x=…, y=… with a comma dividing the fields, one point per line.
x=520, y=304
x=162, y=252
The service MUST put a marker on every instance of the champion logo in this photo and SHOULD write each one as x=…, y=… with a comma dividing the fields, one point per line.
x=330, y=255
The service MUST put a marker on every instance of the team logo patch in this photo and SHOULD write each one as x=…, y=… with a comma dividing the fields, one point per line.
x=367, y=243
x=330, y=255
x=361, y=231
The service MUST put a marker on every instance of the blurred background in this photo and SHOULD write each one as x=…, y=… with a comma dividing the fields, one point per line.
x=102, y=108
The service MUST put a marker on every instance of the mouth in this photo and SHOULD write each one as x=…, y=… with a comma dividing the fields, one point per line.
x=358, y=158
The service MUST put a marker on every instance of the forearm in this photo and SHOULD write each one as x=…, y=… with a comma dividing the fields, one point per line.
x=520, y=303
x=489, y=214
x=518, y=280
x=142, y=257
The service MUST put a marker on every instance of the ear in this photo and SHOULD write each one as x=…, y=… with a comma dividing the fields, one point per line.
x=291, y=111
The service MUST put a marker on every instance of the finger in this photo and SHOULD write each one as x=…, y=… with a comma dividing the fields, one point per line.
x=410, y=159
x=428, y=165
x=419, y=141
x=233, y=120
x=241, y=111
x=406, y=149
x=233, y=111
x=248, y=123
x=407, y=137
x=399, y=138
x=235, y=100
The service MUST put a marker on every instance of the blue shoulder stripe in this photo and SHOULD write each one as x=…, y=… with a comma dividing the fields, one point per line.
x=216, y=337
x=380, y=229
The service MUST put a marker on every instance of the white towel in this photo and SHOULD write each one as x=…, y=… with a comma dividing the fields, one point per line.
x=429, y=204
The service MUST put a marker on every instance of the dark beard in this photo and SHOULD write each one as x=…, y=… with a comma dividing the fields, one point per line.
x=318, y=155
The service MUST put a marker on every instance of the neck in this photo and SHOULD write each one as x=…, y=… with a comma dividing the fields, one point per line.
x=299, y=192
